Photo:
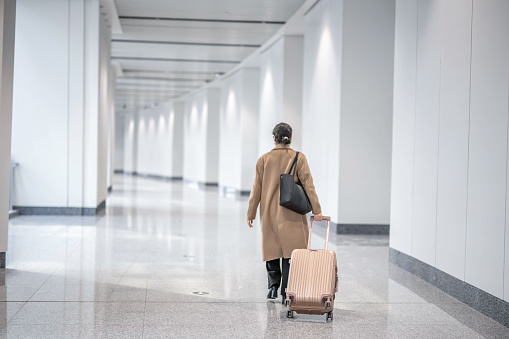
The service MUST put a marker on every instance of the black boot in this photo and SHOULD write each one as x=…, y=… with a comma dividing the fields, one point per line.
x=272, y=293
x=274, y=277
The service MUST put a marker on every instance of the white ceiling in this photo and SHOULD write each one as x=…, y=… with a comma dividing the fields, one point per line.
x=168, y=48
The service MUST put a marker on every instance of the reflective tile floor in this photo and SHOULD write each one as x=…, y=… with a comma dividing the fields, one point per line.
x=134, y=272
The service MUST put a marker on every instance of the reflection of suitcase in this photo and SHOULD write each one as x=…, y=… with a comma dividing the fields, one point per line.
x=313, y=279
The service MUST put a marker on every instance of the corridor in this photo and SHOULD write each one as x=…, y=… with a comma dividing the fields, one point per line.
x=170, y=261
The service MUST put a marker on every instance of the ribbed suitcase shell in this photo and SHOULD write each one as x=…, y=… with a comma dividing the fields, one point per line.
x=312, y=280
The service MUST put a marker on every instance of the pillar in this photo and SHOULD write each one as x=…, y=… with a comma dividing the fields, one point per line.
x=201, y=138
x=348, y=82
x=60, y=135
x=7, y=28
x=281, y=66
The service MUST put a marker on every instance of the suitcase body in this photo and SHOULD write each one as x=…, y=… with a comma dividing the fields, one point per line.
x=313, y=279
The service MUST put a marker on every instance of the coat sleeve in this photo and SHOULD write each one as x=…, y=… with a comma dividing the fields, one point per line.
x=256, y=191
x=304, y=175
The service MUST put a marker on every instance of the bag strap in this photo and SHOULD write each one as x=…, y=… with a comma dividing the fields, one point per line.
x=294, y=165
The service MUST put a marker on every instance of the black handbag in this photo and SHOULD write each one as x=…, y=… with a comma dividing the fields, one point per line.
x=291, y=193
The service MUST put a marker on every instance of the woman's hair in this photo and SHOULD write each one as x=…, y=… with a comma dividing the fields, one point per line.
x=283, y=133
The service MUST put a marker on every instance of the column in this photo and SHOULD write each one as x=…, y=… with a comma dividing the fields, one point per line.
x=7, y=28
x=238, y=150
x=154, y=146
x=281, y=67
x=348, y=110
x=62, y=65
x=201, y=138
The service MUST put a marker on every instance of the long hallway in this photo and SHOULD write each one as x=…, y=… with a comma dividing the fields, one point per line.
x=139, y=270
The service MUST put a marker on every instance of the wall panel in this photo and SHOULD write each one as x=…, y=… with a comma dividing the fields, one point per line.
x=403, y=125
x=426, y=131
x=453, y=137
x=487, y=169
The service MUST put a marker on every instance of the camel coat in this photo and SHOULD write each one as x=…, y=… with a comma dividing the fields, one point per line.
x=282, y=230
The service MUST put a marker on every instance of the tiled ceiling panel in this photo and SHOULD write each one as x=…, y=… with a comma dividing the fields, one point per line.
x=168, y=48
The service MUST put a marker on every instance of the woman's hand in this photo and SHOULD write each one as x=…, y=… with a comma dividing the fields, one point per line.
x=318, y=217
x=250, y=223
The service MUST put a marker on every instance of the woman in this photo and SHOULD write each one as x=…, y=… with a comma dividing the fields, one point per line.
x=282, y=230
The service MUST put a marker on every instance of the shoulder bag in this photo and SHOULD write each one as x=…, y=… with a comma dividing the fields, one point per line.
x=291, y=193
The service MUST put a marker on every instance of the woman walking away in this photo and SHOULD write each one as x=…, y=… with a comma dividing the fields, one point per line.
x=282, y=230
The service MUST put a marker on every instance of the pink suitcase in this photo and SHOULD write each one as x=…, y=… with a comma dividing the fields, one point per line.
x=313, y=279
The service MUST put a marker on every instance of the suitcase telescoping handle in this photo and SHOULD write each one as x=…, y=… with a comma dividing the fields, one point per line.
x=311, y=229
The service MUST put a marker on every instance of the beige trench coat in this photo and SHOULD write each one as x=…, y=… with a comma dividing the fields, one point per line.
x=282, y=229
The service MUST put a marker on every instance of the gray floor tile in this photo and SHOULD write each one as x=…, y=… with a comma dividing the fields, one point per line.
x=8, y=310
x=78, y=313
x=457, y=331
x=18, y=292
x=98, y=292
x=47, y=331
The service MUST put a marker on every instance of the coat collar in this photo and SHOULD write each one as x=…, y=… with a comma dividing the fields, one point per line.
x=281, y=146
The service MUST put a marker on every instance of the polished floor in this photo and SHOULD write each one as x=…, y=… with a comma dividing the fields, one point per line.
x=171, y=261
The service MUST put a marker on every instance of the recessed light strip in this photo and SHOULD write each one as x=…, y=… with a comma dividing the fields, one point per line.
x=184, y=43
x=204, y=20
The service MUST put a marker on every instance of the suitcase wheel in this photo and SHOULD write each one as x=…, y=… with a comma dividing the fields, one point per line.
x=289, y=314
x=329, y=315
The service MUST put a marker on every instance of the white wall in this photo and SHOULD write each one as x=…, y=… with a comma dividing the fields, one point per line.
x=450, y=138
x=7, y=29
x=119, y=142
x=281, y=67
x=111, y=125
x=454, y=122
x=238, y=149
x=348, y=80
x=59, y=135
x=157, y=144
x=177, y=125
x=130, y=142
x=104, y=53
x=405, y=60
x=201, y=136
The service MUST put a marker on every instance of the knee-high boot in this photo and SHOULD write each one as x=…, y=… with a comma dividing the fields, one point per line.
x=284, y=283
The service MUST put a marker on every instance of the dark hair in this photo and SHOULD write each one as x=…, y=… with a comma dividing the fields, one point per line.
x=283, y=133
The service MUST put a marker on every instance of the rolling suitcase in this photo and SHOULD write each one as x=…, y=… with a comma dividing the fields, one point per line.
x=313, y=279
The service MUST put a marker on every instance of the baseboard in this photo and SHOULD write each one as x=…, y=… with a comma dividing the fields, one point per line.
x=13, y=213
x=2, y=259
x=368, y=229
x=158, y=177
x=152, y=176
x=489, y=305
x=69, y=211
x=200, y=184
x=233, y=192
